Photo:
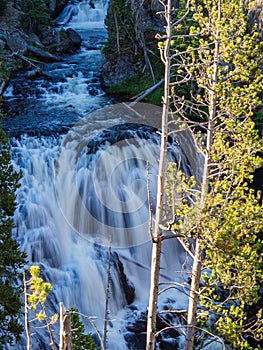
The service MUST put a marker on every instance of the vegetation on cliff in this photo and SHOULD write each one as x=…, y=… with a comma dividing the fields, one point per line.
x=11, y=258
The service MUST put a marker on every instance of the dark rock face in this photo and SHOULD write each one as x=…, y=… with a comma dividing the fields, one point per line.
x=129, y=29
x=15, y=41
x=115, y=71
x=59, y=6
x=136, y=335
x=74, y=38
x=126, y=285
x=61, y=42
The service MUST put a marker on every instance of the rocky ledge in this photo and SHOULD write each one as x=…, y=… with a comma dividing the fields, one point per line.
x=30, y=50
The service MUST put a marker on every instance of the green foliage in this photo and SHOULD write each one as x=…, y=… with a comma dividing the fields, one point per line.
x=223, y=59
x=120, y=25
x=4, y=72
x=3, y=4
x=36, y=15
x=135, y=86
x=12, y=259
x=259, y=120
x=80, y=340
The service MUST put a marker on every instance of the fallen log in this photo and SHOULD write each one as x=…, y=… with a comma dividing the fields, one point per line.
x=147, y=92
x=44, y=54
x=3, y=85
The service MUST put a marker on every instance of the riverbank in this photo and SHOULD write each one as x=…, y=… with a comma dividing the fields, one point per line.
x=27, y=46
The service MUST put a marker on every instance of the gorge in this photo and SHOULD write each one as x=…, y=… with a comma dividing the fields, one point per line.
x=84, y=165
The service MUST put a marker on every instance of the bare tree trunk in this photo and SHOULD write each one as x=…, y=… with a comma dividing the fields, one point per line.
x=28, y=335
x=65, y=329
x=197, y=264
x=157, y=239
x=117, y=32
x=106, y=320
x=193, y=298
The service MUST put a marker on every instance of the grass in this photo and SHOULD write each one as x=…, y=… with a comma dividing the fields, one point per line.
x=138, y=83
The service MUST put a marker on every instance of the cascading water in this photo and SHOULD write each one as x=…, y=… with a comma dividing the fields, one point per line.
x=85, y=14
x=78, y=193
x=81, y=190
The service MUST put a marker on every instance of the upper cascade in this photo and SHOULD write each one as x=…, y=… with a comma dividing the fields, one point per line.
x=83, y=15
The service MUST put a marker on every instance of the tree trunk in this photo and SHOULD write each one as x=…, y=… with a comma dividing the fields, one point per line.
x=193, y=297
x=153, y=298
x=65, y=329
x=106, y=318
x=157, y=237
x=197, y=264
x=27, y=328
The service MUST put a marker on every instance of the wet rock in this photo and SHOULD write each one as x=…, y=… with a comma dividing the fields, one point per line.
x=136, y=335
x=63, y=42
x=136, y=341
x=2, y=44
x=128, y=288
x=74, y=38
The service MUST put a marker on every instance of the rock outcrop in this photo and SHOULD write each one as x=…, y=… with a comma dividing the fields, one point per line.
x=17, y=45
x=130, y=27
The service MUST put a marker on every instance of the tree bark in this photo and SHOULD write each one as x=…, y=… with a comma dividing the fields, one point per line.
x=157, y=237
x=65, y=329
x=106, y=319
x=193, y=298
x=28, y=335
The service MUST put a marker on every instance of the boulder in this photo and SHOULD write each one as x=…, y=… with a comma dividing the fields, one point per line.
x=74, y=38
x=61, y=42
x=2, y=44
x=16, y=42
x=115, y=71
x=136, y=333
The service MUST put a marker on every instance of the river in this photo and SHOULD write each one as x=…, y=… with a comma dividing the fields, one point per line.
x=86, y=165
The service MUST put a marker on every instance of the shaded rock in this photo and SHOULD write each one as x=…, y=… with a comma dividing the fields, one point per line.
x=52, y=6
x=43, y=54
x=16, y=42
x=74, y=38
x=2, y=44
x=63, y=42
x=60, y=5
x=127, y=287
x=33, y=39
x=115, y=71
x=136, y=335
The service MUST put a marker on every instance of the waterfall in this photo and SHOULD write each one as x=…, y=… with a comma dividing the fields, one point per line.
x=85, y=182
x=84, y=14
x=79, y=191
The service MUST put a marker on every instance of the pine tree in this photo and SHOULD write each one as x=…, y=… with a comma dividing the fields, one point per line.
x=36, y=15
x=80, y=340
x=11, y=258
x=216, y=80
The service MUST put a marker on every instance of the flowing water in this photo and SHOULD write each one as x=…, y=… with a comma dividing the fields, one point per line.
x=86, y=171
